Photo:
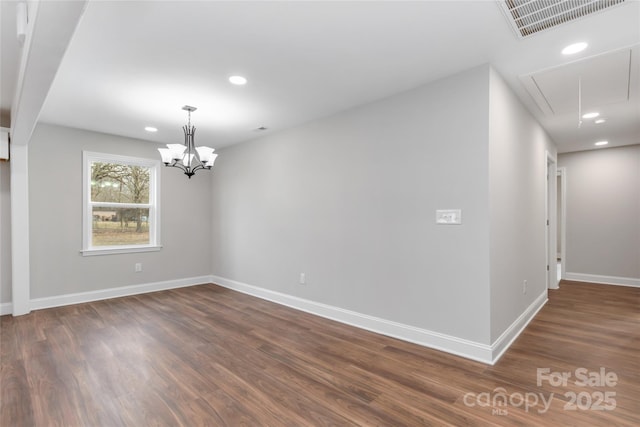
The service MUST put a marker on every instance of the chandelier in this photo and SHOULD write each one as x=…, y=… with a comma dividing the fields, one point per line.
x=187, y=156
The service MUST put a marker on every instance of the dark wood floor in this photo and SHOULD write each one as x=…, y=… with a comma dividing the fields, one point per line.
x=209, y=356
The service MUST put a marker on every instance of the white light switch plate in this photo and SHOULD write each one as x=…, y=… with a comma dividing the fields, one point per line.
x=449, y=216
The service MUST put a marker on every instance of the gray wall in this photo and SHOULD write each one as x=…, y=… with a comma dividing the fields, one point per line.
x=350, y=201
x=5, y=233
x=603, y=211
x=517, y=171
x=55, y=197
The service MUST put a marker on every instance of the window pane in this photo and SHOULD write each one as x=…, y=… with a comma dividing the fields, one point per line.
x=120, y=226
x=118, y=183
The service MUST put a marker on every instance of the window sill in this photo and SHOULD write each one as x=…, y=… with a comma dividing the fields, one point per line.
x=119, y=250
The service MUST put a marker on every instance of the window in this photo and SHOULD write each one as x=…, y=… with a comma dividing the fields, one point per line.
x=121, y=204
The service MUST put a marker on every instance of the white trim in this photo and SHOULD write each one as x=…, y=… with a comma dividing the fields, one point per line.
x=447, y=343
x=51, y=28
x=507, y=338
x=112, y=250
x=551, y=213
x=450, y=344
x=604, y=280
x=6, y=308
x=82, y=297
x=20, y=261
x=562, y=173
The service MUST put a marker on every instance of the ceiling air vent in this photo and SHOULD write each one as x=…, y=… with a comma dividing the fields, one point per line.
x=528, y=17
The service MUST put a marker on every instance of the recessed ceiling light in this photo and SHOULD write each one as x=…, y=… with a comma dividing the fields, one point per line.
x=238, y=80
x=599, y=121
x=574, y=48
x=151, y=129
x=602, y=143
x=590, y=115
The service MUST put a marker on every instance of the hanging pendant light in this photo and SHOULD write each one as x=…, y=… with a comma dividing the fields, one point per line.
x=187, y=156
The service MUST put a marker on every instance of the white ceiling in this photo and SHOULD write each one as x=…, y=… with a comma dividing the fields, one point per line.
x=134, y=64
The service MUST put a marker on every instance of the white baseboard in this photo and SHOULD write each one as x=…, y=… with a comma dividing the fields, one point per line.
x=81, y=297
x=484, y=353
x=507, y=338
x=6, y=308
x=605, y=280
x=447, y=343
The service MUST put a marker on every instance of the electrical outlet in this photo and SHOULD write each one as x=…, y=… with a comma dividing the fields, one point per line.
x=524, y=287
x=303, y=279
x=138, y=267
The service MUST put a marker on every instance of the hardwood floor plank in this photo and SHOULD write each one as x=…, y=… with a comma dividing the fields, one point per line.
x=15, y=398
x=208, y=356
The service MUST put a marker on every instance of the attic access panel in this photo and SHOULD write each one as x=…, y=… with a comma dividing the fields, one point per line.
x=604, y=80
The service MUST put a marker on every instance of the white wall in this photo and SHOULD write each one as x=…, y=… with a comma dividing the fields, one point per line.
x=5, y=233
x=603, y=214
x=350, y=201
x=517, y=171
x=55, y=186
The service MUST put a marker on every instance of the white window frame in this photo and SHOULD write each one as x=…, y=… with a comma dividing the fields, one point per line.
x=88, y=157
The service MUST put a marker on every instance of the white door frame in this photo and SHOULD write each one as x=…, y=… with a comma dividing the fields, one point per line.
x=551, y=221
x=562, y=173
